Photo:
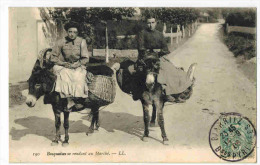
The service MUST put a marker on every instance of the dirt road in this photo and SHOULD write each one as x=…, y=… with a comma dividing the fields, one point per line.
x=220, y=87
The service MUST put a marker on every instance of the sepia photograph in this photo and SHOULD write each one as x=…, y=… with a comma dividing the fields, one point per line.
x=132, y=84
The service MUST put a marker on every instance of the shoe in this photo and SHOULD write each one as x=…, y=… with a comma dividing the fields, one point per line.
x=190, y=73
x=170, y=98
x=70, y=103
x=116, y=66
x=131, y=69
x=79, y=106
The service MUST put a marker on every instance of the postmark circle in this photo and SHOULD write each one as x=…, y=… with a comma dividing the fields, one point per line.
x=232, y=137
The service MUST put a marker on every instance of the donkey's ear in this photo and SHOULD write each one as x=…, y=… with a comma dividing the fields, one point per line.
x=46, y=57
x=36, y=67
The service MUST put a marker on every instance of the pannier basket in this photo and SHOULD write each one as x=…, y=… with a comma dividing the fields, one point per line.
x=103, y=87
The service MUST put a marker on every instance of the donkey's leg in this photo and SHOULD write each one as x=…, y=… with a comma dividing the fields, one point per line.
x=57, y=125
x=97, y=123
x=66, y=127
x=146, y=120
x=94, y=111
x=152, y=123
x=159, y=106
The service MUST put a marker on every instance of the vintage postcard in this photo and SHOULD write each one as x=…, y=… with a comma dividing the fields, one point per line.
x=132, y=84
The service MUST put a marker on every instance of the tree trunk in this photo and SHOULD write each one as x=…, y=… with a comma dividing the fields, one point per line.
x=107, y=50
x=171, y=37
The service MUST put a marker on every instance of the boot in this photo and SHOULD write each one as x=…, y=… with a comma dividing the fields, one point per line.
x=190, y=73
x=170, y=98
x=79, y=106
x=79, y=103
x=69, y=105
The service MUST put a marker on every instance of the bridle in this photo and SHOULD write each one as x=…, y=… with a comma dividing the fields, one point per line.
x=39, y=85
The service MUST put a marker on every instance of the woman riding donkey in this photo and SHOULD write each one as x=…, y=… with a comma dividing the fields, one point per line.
x=70, y=56
x=59, y=75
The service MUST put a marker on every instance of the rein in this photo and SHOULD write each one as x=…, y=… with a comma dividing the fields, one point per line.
x=53, y=87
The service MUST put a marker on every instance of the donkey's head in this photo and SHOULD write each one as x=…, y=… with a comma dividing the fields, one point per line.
x=40, y=82
x=151, y=70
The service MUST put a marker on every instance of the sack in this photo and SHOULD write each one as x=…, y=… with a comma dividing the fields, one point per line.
x=124, y=80
x=103, y=87
x=125, y=77
x=181, y=97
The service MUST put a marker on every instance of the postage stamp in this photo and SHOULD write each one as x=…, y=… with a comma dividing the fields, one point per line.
x=232, y=137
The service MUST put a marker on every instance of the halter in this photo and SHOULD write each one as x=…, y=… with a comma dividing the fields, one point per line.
x=146, y=65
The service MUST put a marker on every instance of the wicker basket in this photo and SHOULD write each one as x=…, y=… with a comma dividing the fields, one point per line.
x=103, y=87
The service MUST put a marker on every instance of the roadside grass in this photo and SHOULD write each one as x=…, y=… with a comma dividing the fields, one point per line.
x=243, y=46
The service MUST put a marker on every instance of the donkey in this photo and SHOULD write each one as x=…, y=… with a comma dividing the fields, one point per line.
x=42, y=82
x=142, y=84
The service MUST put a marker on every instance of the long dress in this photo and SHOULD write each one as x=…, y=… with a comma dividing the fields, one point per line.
x=173, y=79
x=70, y=82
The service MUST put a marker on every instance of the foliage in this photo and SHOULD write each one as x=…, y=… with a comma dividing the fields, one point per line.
x=240, y=16
x=241, y=44
x=210, y=15
x=207, y=20
x=121, y=28
x=90, y=19
x=212, y=12
x=93, y=22
x=182, y=16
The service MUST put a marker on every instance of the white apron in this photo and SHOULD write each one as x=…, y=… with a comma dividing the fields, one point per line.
x=71, y=82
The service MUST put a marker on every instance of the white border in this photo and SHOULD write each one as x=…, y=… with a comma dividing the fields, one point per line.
x=4, y=67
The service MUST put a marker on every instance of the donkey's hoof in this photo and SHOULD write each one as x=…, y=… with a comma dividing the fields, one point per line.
x=65, y=144
x=54, y=143
x=165, y=141
x=90, y=131
x=89, y=134
x=97, y=127
x=145, y=138
x=152, y=124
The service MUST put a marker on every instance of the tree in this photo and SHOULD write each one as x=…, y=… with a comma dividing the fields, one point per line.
x=172, y=16
x=86, y=17
x=181, y=16
x=240, y=16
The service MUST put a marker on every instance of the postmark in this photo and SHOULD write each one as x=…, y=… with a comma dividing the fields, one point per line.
x=232, y=137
